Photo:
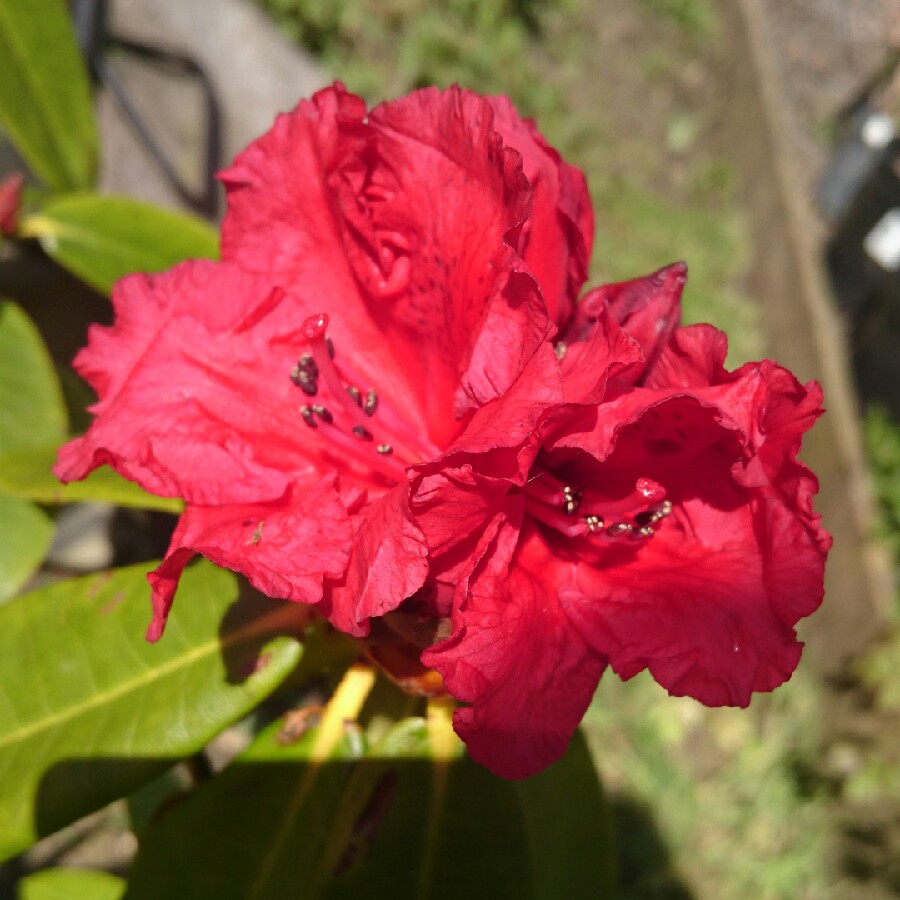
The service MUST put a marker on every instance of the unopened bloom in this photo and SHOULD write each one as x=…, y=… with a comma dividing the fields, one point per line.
x=10, y=203
x=387, y=402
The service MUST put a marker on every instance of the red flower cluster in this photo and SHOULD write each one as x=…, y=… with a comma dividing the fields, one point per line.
x=387, y=402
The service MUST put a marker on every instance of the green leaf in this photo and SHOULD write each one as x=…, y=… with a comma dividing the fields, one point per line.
x=102, y=239
x=32, y=412
x=27, y=474
x=89, y=711
x=401, y=816
x=25, y=536
x=71, y=884
x=45, y=97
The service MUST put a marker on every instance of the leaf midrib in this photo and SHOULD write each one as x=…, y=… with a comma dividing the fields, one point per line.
x=109, y=697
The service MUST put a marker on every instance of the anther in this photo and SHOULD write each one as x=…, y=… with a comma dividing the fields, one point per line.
x=385, y=449
x=642, y=533
x=305, y=381
x=371, y=403
x=594, y=523
x=571, y=499
x=560, y=350
x=323, y=413
x=362, y=433
x=619, y=529
x=354, y=393
x=308, y=364
x=308, y=417
x=329, y=346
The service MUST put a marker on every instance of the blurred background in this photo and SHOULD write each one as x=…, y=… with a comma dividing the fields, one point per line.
x=756, y=140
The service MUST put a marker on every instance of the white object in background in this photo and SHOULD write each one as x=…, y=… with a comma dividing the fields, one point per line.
x=882, y=243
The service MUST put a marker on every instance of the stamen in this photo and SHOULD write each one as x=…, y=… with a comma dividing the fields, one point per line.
x=348, y=416
x=571, y=500
x=655, y=514
x=619, y=529
x=562, y=523
x=633, y=517
x=307, y=382
x=308, y=364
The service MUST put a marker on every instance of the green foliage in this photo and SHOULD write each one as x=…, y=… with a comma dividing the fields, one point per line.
x=89, y=711
x=882, y=435
x=711, y=797
x=71, y=884
x=103, y=238
x=26, y=533
x=696, y=17
x=31, y=412
x=45, y=100
x=27, y=474
x=477, y=44
x=31, y=406
x=396, y=813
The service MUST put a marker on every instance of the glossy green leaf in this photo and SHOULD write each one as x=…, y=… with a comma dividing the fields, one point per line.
x=399, y=817
x=25, y=535
x=101, y=239
x=27, y=474
x=32, y=413
x=89, y=710
x=45, y=98
x=71, y=884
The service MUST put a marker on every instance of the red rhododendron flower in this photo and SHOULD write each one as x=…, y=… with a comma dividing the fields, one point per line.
x=387, y=402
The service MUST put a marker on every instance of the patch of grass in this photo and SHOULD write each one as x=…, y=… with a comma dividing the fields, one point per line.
x=696, y=17
x=882, y=437
x=384, y=48
x=722, y=785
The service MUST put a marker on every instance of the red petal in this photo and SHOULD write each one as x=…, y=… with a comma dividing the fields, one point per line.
x=403, y=226
x=694, y=357
x=285, y=548
x=606, y=351
x=648, y=308
x=710, y=617
x=514, y=657
x=452, y=199
x=289, y=193
x=559, y=233
x=388, y=563
x=510, y=421
x=195, y=396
